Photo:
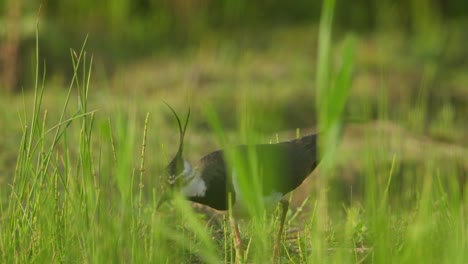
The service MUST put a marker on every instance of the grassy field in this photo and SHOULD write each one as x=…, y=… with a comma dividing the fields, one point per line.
x=82, y=164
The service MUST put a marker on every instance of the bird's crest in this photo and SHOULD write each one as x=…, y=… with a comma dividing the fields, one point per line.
x=176, y=166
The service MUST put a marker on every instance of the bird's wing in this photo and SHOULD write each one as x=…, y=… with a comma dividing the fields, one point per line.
x=282, y=167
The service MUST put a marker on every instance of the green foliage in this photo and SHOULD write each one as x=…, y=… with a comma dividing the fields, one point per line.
x=86, y=179
x=125, y=30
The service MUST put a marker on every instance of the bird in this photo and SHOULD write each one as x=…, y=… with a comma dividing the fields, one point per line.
x=281, y=168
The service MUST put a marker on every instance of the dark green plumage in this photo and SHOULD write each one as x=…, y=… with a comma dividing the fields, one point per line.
x=282, y=168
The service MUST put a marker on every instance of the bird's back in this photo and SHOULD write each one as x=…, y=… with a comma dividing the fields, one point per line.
x=281, y=168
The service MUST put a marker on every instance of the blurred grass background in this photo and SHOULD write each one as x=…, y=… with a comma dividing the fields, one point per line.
x=406, y=114
x=411, y=60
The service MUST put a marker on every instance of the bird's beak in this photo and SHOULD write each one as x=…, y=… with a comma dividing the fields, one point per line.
x=164, y=198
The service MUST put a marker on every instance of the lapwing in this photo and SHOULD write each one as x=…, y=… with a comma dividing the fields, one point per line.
x=212, y=182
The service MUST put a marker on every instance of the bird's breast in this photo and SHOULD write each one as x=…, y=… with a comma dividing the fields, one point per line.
x=196, y=187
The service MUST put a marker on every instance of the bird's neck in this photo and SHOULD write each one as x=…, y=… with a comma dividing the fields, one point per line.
x=187, y=172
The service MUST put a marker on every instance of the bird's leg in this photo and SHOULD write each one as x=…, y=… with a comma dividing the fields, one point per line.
x=284, y=210
x=235, y=228
x=237, y=241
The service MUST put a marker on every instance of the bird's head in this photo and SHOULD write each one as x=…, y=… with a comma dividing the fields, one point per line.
x=178, y=169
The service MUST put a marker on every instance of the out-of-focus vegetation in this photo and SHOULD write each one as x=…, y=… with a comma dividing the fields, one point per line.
x=85, y=190
x=124, y=31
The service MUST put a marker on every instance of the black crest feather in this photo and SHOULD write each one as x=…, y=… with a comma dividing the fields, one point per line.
x=176, y=165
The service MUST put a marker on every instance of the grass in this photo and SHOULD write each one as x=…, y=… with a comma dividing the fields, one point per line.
x=88, y=170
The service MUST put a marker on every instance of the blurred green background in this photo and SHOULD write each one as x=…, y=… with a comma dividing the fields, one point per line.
x=253, y=63
x=410, y=70
x=125, y=32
